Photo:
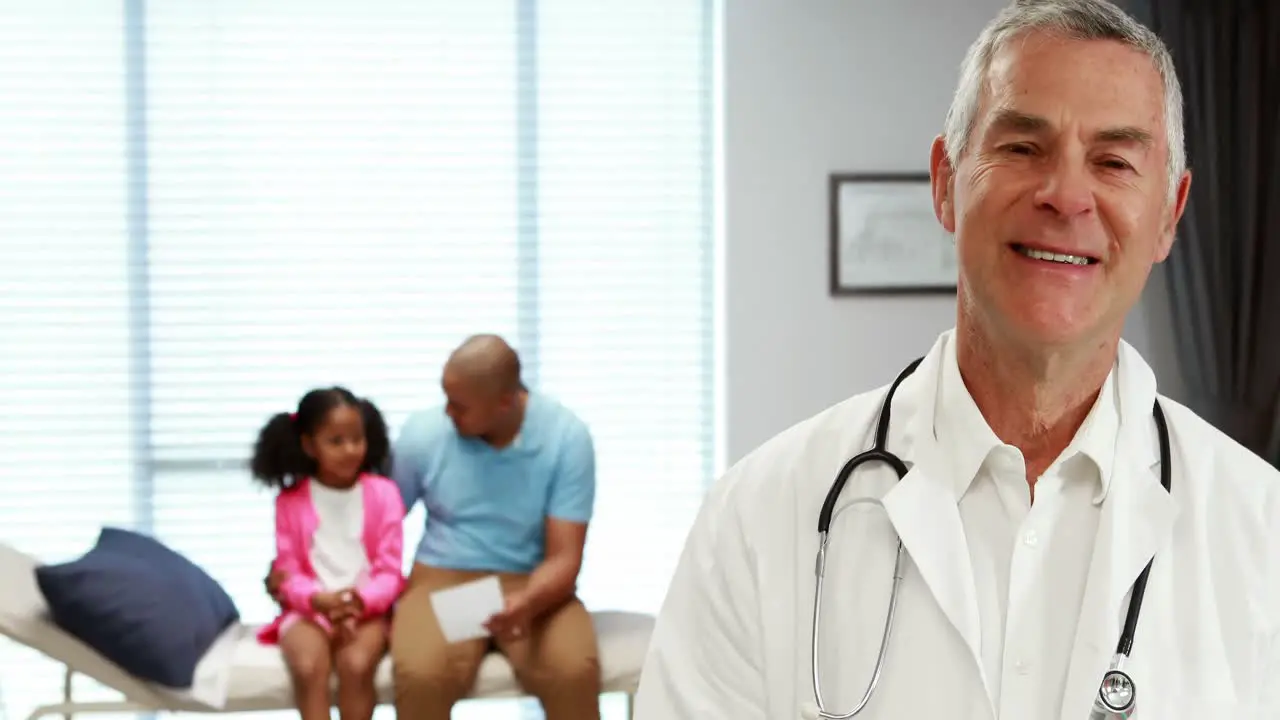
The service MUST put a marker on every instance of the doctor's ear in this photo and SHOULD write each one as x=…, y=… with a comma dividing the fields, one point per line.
x=942, y=178
x=1176, y=206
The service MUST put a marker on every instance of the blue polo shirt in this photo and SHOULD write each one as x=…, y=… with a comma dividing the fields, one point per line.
x=487, y=508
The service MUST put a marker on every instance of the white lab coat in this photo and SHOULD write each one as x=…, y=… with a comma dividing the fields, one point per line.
x=732, y=641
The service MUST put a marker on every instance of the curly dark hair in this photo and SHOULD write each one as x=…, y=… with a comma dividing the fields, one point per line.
x=278, y=458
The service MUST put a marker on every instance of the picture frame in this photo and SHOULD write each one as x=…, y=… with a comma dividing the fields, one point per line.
x=885, y=238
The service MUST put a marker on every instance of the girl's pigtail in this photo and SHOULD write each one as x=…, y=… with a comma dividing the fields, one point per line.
x=278, y=459
x=377, y=457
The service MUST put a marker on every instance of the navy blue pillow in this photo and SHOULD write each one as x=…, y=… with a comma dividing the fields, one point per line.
x=141, y=605
x=214, y=600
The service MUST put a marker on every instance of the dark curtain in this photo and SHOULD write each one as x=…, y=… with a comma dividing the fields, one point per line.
x=1224, y=272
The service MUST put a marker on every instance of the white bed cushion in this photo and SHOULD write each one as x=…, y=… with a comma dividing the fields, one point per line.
x=24, y=617
x=238, y=674
x=259, y=680
x=212, y=682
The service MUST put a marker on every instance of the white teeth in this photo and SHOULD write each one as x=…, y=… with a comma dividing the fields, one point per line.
x=1054, y=257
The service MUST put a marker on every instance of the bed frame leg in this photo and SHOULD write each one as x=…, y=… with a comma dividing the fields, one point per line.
x=66, y=690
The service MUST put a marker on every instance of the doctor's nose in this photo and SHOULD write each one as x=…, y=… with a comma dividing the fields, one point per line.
x=1066, y=189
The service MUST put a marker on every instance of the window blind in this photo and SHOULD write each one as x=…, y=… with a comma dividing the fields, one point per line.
x=66, y=455
x=224, y=204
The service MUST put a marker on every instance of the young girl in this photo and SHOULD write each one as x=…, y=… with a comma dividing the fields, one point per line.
x=339, y=539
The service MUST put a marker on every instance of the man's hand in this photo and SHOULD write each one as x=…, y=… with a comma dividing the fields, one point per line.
x=514, y=621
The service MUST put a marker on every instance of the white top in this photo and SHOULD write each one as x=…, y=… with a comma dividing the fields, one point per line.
x=1030, y=561
x=337, y=549
x=1006, y=611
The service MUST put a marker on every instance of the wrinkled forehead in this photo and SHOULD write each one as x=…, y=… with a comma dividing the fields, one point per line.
x=1085, y=85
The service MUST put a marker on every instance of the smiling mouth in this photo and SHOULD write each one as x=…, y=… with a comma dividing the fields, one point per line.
x=1053, y=257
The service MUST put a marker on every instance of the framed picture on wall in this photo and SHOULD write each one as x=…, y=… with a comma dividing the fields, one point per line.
x=885, y=237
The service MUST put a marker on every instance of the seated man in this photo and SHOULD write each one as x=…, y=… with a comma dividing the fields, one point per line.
x=507, y=477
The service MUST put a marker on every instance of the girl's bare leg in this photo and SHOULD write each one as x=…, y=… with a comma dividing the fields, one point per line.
x=356, y=660
x=307, y=652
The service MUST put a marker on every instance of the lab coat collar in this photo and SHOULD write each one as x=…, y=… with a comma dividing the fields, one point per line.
x=1135, y=520
x=967, y=440
x=1125, y=436
x=1137, y=396
x=1097, y=436
x=1131, y=386
x=959, y=427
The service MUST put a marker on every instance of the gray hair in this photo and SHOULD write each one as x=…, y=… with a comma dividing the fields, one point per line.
x=1075, y=19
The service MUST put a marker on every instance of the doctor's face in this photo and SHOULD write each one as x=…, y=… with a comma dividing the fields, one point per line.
x=1060, y=203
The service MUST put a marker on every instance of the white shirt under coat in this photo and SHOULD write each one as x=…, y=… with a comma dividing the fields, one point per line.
x=1007, y=610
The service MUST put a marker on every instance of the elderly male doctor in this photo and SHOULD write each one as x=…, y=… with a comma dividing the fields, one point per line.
x=1033, y=499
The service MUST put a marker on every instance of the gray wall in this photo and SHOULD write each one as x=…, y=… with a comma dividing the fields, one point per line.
x=814, y=87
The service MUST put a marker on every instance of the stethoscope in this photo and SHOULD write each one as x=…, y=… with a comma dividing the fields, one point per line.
x=1117, y=695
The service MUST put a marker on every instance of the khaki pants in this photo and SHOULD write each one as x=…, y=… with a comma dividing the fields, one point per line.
x=558, y=663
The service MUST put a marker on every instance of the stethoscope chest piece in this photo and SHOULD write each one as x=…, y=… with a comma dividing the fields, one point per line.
x=1117, y=696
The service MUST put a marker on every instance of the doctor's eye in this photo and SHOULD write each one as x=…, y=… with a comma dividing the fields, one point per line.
x=1020, y=149
x=1114, y=163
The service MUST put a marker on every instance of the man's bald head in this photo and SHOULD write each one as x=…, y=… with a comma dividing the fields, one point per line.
x=488, y=362
x=483, y=387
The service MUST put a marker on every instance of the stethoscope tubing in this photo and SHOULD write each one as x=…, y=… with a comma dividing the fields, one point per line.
x=879, y=452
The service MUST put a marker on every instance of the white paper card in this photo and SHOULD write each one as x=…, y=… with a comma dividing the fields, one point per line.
x=463, y=610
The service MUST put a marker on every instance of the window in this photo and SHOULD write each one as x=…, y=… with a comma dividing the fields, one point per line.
x=225, y=203
x=67, y=453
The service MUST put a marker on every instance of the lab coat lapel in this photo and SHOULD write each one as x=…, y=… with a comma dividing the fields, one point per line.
x=923, y=511
x=1135, y=523
x=923, y=507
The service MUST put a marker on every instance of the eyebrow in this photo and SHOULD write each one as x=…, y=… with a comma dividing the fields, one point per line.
x=1129, y=135
x=1014, y=121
